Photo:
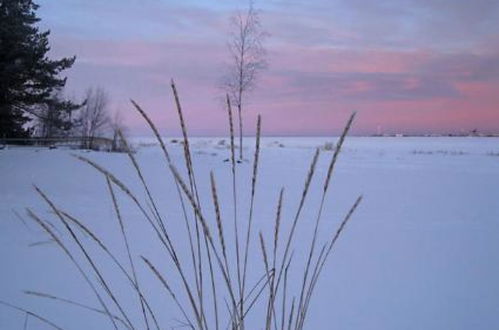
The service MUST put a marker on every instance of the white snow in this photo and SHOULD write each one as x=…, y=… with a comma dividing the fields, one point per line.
x=421, y=252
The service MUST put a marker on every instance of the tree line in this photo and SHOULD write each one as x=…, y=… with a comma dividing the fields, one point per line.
x=32, y=100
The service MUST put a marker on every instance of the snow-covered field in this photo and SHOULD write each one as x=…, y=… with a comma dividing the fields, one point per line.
x=421, y=252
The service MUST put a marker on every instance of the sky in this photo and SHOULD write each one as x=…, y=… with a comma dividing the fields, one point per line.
x=405, y=66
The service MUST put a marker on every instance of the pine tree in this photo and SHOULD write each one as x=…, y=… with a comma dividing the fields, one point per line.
x=28, y=78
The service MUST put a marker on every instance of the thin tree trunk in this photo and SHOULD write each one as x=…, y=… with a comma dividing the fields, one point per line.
x=240, y=131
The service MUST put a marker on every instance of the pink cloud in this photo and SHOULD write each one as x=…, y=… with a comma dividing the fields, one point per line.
x=307, y=90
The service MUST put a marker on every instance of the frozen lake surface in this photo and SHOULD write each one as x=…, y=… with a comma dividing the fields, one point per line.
x=421, y=252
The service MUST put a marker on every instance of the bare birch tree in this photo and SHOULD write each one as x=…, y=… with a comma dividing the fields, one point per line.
x=247, y=60
x=117, y=127
x=94, y=117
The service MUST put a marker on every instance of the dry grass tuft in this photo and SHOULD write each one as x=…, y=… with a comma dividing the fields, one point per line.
x=213, y=251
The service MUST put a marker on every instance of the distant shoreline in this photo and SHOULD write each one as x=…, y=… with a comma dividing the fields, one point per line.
x=324, y=136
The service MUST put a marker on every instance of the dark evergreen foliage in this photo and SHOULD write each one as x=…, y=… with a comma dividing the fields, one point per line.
x=29, y=80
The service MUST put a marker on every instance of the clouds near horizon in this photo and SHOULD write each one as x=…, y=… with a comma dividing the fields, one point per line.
x=409, y=66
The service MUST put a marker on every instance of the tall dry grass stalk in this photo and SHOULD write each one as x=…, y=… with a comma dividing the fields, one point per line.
x=71, y=302
x=250, y=218
x=216, y=273
x=313, y=243
x=235, y=203
x=90, y=283
x=32, y=314
x=193, y=189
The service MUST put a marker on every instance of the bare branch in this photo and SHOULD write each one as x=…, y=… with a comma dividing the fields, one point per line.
x=247, y=59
